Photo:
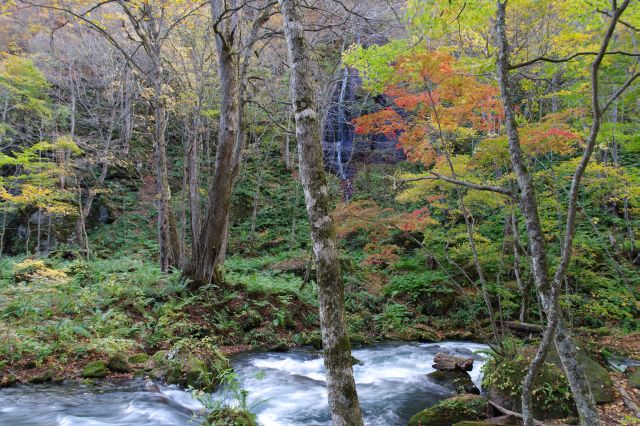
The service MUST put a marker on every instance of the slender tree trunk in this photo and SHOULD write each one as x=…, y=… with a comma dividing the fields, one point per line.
x=193, y=156
x=343, y=399
x=208, y=249
x=522, y=285
x=167, y=237
x=3, y=230
x=549, y=290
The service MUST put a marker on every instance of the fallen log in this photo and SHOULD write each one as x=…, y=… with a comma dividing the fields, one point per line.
x=522, y=327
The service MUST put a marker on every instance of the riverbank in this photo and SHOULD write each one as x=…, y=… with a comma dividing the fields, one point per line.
x=119, y=319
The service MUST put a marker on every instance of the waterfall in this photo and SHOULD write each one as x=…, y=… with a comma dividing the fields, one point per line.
x=344, y=132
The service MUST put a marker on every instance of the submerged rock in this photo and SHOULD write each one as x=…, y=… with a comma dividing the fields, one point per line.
x=452, y=410
x=95, y=370
x=455, y=380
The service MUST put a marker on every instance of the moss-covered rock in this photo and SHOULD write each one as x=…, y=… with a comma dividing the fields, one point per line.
x=457, y=380
x=44, y=377
x=634, y=379
x=416, y=333
x=598, y=376
x=503, y=375
x=452, y=410
x=230, y=417
x=7, y=379
x=95, y=370
x=118, y=364
x=140, y=358
x=191, y=363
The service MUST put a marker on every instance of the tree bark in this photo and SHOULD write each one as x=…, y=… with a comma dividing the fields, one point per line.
x=209, y=247
x=343, y=399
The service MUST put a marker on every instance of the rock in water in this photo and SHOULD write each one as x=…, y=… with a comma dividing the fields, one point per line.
x=455, y=380
x=446, y=362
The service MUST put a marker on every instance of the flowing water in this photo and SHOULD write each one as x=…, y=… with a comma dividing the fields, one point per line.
x=284, y=389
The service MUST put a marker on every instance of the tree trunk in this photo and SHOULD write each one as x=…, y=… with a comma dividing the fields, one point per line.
x=169, y=252
x=343, y=399
x=548, y=293
x=193, y=157
x=207, y=256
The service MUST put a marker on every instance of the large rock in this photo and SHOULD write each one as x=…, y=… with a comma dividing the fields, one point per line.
x=551, y=393
x=95, y=370
x=191, y=364
x=452, y=410
x=446, y=362
x=597, y=376
x=455, y=380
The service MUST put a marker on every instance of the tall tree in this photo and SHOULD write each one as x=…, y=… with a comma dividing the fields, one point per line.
x=233, y=53
x=549, y=287
x=343, y=398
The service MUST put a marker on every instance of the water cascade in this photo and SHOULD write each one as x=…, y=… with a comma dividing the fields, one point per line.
x=284, y=389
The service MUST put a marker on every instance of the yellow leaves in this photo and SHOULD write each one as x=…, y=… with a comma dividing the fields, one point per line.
x=32, y=270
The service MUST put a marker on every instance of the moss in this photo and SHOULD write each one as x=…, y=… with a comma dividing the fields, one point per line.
x=191, y=363
x=503, y=375
x=452, y=410
x=230, y=417
x=140, y=358
x=118, y=364
x=95, y=370
x=597, y=376
x=43, y=377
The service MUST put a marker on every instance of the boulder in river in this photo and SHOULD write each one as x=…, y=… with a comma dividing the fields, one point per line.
x=456, y=380
x=190, y=363
x=456, y=409
x=446, y=362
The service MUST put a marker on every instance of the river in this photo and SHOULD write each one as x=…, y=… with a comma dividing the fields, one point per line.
x=284, y=389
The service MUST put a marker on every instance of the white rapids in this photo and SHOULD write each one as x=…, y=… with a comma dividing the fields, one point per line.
x=284, y=389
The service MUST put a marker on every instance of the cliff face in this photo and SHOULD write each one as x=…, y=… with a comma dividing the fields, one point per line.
x=343, y=150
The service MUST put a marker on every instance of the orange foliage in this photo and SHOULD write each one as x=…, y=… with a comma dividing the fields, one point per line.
x=436, y=101
x=378, y=222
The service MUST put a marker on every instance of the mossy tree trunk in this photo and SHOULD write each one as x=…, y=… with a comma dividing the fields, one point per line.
x=343, y=399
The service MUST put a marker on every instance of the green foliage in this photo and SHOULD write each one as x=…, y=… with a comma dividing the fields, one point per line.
x=504, y=372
